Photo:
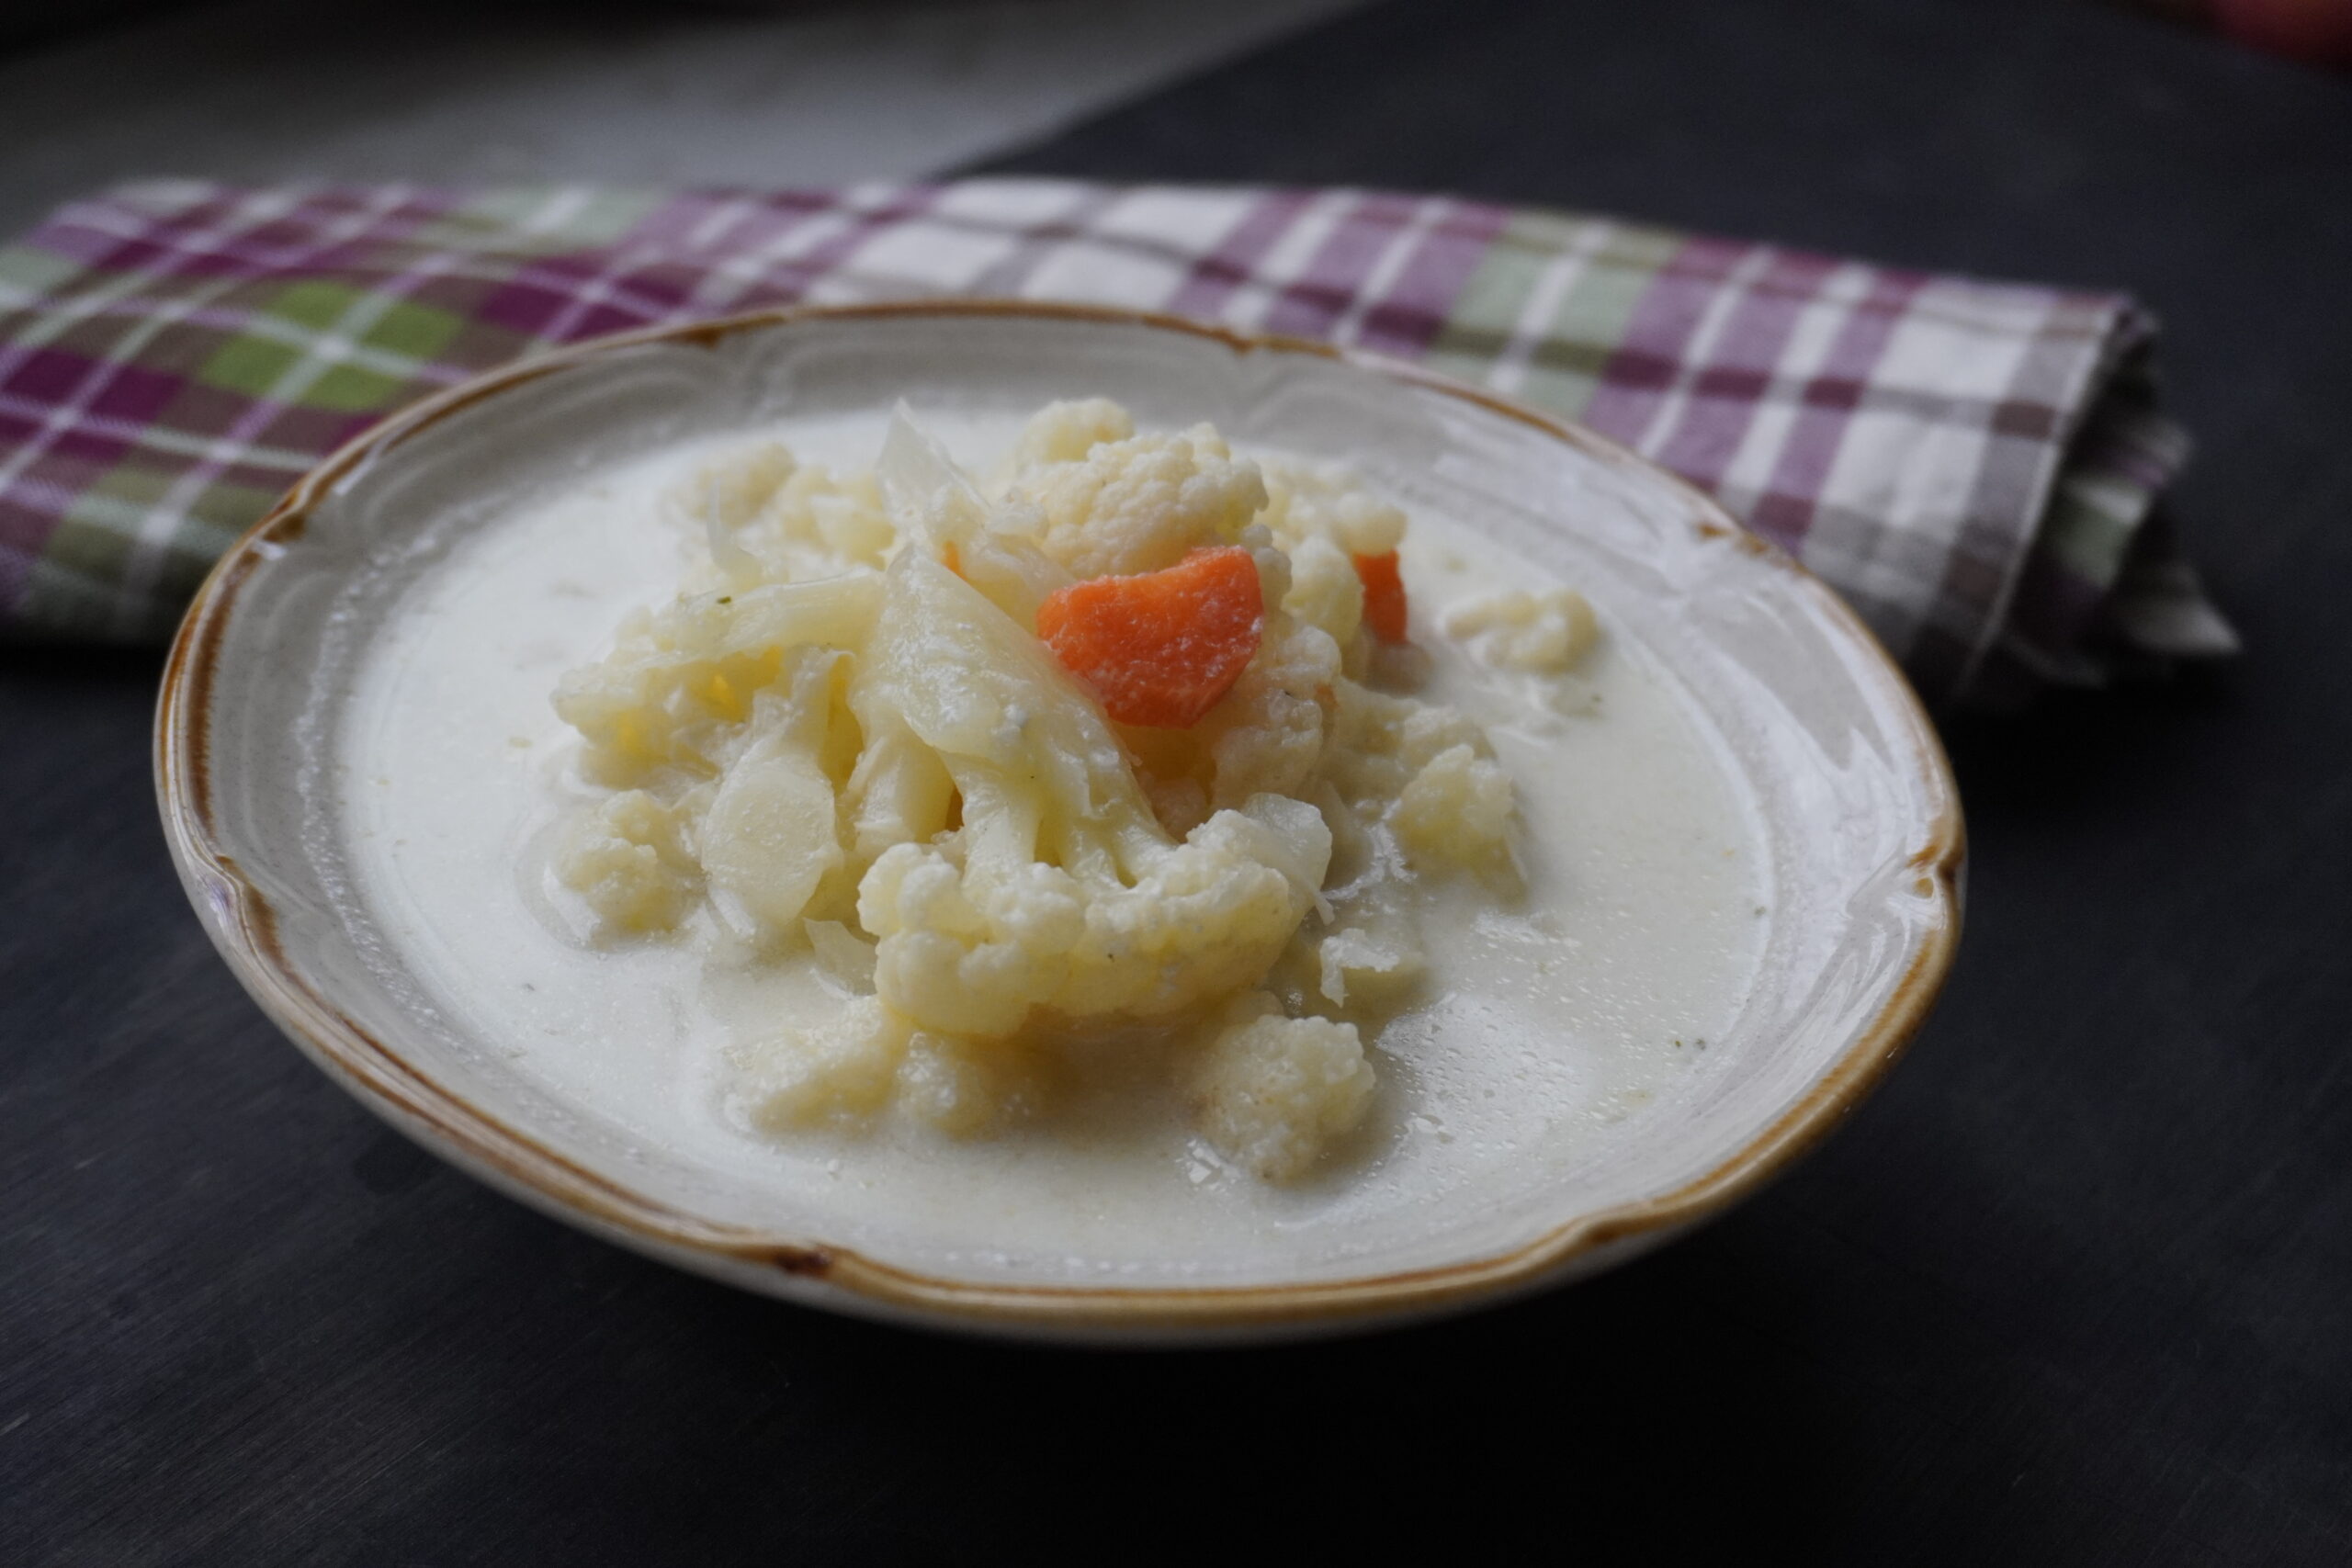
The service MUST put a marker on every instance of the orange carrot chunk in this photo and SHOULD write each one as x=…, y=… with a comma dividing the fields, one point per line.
x=1160, y=647
x=1384, y=596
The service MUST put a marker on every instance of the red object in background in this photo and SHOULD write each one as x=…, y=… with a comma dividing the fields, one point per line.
x=1160, y=647
x=2317, y=32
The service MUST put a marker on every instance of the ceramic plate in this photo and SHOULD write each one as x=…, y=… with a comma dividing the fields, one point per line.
x=1859, y=821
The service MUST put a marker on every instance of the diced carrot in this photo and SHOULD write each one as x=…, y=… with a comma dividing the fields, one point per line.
x=1160, y=647
x=1384, y=596
x=951, y=557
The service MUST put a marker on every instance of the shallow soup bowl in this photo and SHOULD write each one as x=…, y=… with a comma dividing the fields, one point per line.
x=1859, y=825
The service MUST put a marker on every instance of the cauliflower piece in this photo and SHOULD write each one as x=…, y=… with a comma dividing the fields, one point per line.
x=1379, y=742
x=731, y=492
x=770, y=836
x=691, y=695
x=816, y=524
x=849, y=716
x=1325, y=591
x=967, y=1087
x=773, y=830
x=1372, y=968
x=1061, y=891
x=1544, y=631
x=627, y=858
x=1138, y=504
x=767, y=516
x=989, y=543
x=1428, y=771
x=1064, y=431
x=841, y=1071
x=1265, y=736
x=970, y=946
x=1457, y=810
x=846, y=958
x=674, y=692
x=1328, y=502
x=1181, y=804
x=900, y=791
x=1272, y=1093
x=1009, y=571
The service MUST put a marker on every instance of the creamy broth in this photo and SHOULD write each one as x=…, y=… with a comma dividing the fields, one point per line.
x=1545, y=1026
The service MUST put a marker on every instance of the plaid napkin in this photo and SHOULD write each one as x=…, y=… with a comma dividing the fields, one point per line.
x=1973, y=464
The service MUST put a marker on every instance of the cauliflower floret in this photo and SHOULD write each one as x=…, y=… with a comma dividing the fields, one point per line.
x=1457, y=810
x=1379, y=741
x=627, y=858
x=989, y=543
x=729, y=702
x=770, y=838
x=846, y=958
x=1429, y=771
x=969, y=1087
x=1328, y=502
x=899, y=794
x=1061, y=891
x=1369, y=966
x=815, y=523
x=731, y=492
x=1272, y=1093
x=848, y=716
x=971, y=948
x=1544, y=631
x=1064, y=431
x=765, y=517
x=1140, y=504
x=841, y=1071
x=1265, y=736
x=1181, y=804
x=674, y=692
x=1325, y=589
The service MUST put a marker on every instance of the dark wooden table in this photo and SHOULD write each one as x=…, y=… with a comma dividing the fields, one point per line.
x=2074, y=1288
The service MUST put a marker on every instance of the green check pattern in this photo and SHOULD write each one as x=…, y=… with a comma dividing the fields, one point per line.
x=1975, y=465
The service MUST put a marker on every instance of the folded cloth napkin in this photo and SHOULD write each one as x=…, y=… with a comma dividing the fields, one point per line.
x=1973, y=465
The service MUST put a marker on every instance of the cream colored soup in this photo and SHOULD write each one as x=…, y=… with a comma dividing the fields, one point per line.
x=1545, y=1026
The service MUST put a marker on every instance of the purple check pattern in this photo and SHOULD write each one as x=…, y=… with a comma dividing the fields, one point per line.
x=1975, y=465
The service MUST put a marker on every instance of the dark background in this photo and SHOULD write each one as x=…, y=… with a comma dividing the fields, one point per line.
x=2072, y=1289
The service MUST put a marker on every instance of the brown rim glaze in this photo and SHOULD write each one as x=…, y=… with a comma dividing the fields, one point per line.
x=244, y=928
